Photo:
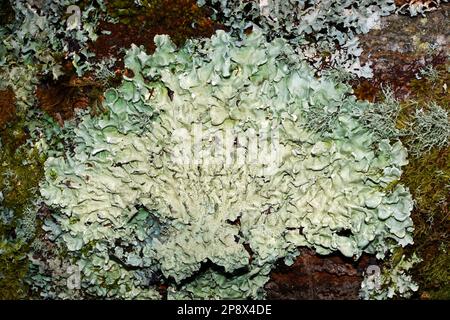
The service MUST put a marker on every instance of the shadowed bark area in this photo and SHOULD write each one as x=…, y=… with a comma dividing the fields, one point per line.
x=180, y=19
x=61, y=98
x=331, y=277
x=7, y=107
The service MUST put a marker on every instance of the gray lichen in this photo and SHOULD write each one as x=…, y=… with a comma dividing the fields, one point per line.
x=394, y=282
x=323, y=32
x=145, y=189
x=429, y=129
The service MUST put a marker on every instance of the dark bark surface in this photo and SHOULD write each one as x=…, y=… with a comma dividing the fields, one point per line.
x=401, y=48
x=312, y=276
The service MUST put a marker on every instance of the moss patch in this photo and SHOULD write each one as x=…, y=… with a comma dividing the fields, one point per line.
x=20, y=173
x=435, y=86
x=427, y=177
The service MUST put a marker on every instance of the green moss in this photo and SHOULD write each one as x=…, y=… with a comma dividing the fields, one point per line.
x=425, y=90
x=427, y=177
x=20, y=172
x=14, y=267
x=24, y=172
x=433, y=86
x=435, y=275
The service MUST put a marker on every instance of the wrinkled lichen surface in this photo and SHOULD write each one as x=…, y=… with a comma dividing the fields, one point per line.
x=206, y=168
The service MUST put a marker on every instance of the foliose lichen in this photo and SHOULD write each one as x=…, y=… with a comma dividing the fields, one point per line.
x=37, y=41
x=205, y=157
x=323, y=32
x=393, y=282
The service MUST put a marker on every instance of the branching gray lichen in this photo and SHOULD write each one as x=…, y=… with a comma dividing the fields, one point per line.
x=382, y=117
x=429, y=129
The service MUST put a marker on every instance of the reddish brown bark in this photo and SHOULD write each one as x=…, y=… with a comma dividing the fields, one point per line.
x=318, y=277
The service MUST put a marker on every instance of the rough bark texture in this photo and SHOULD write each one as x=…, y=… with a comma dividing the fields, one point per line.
x=312, y=276
x=401, y=48
x=180, y=19
x=7, y=107
x=61, y=98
